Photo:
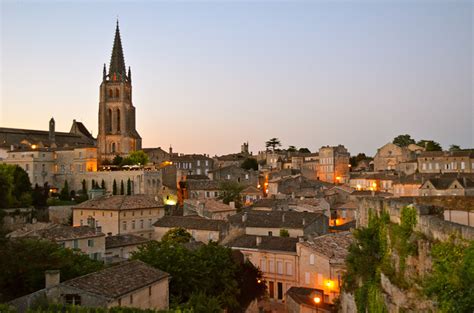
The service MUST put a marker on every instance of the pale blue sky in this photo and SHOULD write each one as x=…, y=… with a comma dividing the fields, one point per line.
x=209, y=75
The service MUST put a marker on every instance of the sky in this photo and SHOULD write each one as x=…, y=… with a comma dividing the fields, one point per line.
x=209, y=75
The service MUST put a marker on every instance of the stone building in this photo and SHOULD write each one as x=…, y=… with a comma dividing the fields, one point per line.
x=119, y=215
x=446, y=162
x=448, y=186
x=302, y=300
x=389, y=156
x=191, y=164
x=235, y=174
x=202, y=229
x=132, y=284
x=117, y=132
x=333, y=164
x=120, y=247
x=209, y=208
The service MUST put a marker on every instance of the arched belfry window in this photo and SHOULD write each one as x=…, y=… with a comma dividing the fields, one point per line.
x=111, y=93
x=118, y=120
x=117, y=93
x=109, y=118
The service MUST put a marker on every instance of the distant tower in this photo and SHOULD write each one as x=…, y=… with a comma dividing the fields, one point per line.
x=117, y=133
x=52, y=137
x=244, y=149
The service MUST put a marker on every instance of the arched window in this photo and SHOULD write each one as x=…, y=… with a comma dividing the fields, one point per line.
x=112, y=147
x=109, y=126
x=117, y=93
x=111, y=93
x=118, y=120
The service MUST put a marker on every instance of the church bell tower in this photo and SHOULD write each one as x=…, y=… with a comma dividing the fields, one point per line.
x=117, y=133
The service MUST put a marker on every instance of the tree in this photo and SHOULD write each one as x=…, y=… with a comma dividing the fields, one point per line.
x=114, y=188
x=273, y=142
x=65, y=194
x=94, y=186
x=129, y=187
x=403, y=140
x=354, y=160
x=4, y=191
x=230, y=191
x=250, y=164
x=117, y=160
x=176, y=235
x=454, y=148
x=430, y=145
x=122, y=189
x=40, y=196
x=136, y=158
x=284, y=233
x=304, y=150
x=102, y=184
x=291, y=149
x=84, y=187
x=26, y=260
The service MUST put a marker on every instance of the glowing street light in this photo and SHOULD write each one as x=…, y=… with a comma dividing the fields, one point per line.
x=317, y=300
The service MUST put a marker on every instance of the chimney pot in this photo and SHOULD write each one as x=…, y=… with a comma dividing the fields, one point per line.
x=52, y=278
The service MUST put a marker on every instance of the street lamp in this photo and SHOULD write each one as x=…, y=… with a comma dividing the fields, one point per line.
x=317, y=301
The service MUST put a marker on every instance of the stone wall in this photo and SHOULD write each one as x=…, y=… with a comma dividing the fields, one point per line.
x=60, y=214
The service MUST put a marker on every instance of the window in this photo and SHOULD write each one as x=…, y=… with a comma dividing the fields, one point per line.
x=289, y=268
x=263, y=265
x=423, y=166
x=27, y=167
x=124, y=225
x=149, y=291
x=90, y=242
x=311, y=259
x=131, y=299
x=73, y=299
x=271, y=289
x=133, y=224
x=228, y=176
x=247, y=176
x=82, y=222
x=207, y=163
x=307, y=278
x=271, y=266
x=75, y=244
x=270, y=233
x=150, y=223
x=141, y=224
x=463, y=165
x=208, y=194
x=320, y=279
x=198, y=162
x=280, y=291
x=279, y=267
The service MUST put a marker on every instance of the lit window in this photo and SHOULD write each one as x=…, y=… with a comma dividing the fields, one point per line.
x=307, y=278
x=311, y=259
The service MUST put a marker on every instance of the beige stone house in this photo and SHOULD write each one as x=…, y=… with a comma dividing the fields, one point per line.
x=251, y=194
x=447, y=186
x=276, y=257
x=209, y=208
x=201, y=229
x=333, y=164
x=90, y=240
x=446, y=162
x=119, y=215
x=120, y=247
x=407, y=186
x=322, y=263
x=269, y=223
x=131, y=284
x=381, y=181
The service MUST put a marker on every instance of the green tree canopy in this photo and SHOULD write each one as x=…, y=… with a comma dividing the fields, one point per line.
x=114, y=188
x=454, y=148
x=250, y=164
x=273, y=143
x=136, y=158
x=117, y=160
x=291, y=149
x=230, y=191
x=403, y=140
x=65, y=194
x=430, y=145
x=24, y=261
x=304, y=150
x=176, y=235
x=284, y=233
x=354, y=160
x=16, y=187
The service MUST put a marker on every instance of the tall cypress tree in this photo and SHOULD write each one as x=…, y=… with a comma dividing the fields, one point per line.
x=114, y=188
x=129, y=187
x=122, y=189
x=84, y=187
x=102, y=184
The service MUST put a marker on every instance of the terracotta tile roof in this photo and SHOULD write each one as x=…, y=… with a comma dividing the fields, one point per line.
x=276, y=219
x=251, y=190
x=116, y=281
x=210, y=205
x=334, y=245
x=202, y=184
x=271, y=243
x=191, y=222
x=62, y=233
x=108, y=202
x=124, y=240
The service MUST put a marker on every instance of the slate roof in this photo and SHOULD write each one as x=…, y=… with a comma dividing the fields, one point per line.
x=276, y=219
x=210, y=205
x=251, y=190
x=122, y=202
x=191, y=222
x=272, y=243
x=442, y=183
x=334, y=245
x=433, y=154
x=116, y=281
x=62, y=233
x=124, y=240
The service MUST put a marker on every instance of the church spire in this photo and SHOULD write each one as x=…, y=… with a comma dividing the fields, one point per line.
x=117, y=63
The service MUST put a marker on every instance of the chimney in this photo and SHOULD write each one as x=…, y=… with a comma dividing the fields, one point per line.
x=244, y=217
x=303, y=221
x=232, y=204
x=51, y=278
x=52, y=137
x=12, y=147
x=259, y=240
x=171, y=149
x=283, y=217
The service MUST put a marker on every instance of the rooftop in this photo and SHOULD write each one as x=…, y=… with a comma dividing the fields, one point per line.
x=190, y=222
x=305, y=296
x=275, y=219
x=334, y=245
x=272, y=243
x=124, y=240
x=62, y=233
x=210, y=205
x=116, y=281
x=121, y=202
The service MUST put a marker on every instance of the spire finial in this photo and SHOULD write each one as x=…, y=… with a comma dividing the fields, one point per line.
x=117, y=62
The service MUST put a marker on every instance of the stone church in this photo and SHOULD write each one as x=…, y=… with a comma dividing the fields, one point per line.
x=117, y=133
